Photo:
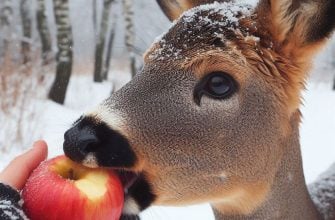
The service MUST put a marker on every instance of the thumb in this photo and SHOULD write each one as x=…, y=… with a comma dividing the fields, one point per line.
x=18, y=171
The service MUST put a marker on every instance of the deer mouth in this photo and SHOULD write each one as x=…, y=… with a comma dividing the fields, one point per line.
x=127, y=179
x=137, y=192
x=93, y=143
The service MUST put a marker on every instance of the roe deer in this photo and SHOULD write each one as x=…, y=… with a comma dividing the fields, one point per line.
x=213, y=117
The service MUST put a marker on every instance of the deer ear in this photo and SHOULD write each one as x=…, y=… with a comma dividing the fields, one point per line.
x=174, y=8
x=296, y=25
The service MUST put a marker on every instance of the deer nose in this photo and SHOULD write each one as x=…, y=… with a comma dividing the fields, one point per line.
x=79, y=142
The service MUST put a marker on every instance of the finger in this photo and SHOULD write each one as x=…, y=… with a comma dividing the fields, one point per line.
x=18, y=171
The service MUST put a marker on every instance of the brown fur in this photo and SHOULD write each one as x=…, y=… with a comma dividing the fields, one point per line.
x=238, y=153
x=282, y=59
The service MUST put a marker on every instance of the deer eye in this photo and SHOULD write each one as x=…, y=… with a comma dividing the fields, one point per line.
x=216, y=85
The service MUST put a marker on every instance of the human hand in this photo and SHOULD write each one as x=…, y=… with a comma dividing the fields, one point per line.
x=20, y=168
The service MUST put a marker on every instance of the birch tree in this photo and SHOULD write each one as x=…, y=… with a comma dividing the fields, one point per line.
x=94, y=8
x=109, y=48
x=26, y=29
x=128, y=14
x=100, y=43
x=64, y=55
x=6, y=14
x=332, y=61
x=43, y=31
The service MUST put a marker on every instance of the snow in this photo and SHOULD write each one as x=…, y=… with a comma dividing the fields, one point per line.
x=323, y=193
x=229, y=10
x=317, y=128
x=316, y=131
x=198, y=25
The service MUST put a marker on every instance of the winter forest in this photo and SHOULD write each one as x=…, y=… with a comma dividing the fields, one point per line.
x=48, y=45
x=60, y=58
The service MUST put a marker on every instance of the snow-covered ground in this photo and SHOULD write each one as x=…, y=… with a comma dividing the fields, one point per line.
x=317, y=130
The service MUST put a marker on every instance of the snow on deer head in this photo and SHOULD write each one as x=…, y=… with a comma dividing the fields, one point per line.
x=214, y=114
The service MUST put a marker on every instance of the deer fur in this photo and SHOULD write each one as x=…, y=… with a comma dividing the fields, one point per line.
x=241, y=154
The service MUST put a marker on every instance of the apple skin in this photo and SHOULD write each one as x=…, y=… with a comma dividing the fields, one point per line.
x=92, y=194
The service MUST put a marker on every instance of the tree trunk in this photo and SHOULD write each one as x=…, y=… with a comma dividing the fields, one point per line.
x=129, y=33
x=100, y=44
x=109, y=48
x=64, y=54
x=6, y=15
x=94, y=7
x=333, y=61
x=26, y=29
x=43, y=31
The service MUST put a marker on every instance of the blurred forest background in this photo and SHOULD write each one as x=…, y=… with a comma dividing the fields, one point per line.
x=45, y=42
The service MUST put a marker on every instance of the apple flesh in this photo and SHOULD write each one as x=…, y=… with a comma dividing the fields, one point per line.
x=62, y=189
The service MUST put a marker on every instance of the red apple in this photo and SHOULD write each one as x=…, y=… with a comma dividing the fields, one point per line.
x=64, y=190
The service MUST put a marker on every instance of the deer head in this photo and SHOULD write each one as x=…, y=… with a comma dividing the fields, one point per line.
x=213, y=115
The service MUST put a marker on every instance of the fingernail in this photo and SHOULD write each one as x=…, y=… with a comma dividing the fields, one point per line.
x=35, y=143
